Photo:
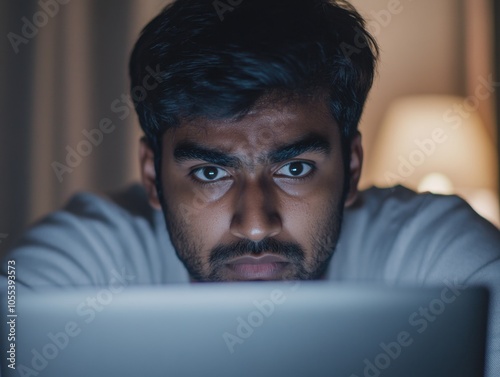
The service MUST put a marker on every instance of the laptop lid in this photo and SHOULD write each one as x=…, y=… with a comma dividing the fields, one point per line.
x=247, y=329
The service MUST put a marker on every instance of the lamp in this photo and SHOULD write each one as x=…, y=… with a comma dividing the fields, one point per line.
x=437, y=144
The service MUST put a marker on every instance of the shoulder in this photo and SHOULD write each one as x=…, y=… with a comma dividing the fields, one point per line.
x=402, y=208
x=89, y=240
x=417, y=237
x=403, y=202
x=90, y=216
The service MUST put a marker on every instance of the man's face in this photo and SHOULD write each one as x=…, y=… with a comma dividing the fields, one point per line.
x=259, y=198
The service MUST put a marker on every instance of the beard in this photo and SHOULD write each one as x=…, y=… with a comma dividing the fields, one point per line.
x=293, y=252
x=302, y=265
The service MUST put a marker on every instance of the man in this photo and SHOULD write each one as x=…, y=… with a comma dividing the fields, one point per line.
x=250, y=156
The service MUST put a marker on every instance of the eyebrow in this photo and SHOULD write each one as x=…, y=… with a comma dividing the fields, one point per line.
x=310, y=143
x=188, y=150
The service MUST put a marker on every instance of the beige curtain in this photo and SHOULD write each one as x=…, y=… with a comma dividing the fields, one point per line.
x=63, y=69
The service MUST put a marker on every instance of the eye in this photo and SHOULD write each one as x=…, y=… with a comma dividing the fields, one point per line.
x=210, y=173
x=295, y=169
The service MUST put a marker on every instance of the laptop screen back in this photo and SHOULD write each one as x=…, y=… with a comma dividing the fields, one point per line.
x=250, y=329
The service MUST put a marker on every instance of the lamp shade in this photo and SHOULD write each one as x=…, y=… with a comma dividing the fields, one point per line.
x=437, y=144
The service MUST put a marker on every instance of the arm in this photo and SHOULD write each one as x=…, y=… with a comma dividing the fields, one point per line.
x=87, y=243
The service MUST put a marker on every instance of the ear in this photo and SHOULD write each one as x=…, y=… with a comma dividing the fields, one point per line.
x=148, y=173
x=354, y=170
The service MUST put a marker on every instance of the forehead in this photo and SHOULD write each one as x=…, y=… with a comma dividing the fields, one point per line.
x=264, y=128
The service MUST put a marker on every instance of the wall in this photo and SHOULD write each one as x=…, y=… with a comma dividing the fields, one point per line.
x=422, y=52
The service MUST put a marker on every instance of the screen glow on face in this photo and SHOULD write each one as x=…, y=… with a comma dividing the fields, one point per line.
x=294, y=169
x=229, y=195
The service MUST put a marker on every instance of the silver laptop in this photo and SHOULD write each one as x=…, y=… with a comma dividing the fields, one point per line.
x=247, y=329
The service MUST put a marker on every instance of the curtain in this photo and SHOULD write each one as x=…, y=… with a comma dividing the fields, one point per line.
x=63, y=69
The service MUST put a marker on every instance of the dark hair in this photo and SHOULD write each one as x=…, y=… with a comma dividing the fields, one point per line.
x=218, y=58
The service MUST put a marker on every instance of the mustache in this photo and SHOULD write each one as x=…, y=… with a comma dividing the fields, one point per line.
x=290, y=250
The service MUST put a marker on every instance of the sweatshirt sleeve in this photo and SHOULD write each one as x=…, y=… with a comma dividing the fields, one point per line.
x=87, y=243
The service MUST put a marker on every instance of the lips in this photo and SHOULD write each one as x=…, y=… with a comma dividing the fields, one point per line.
x=262, y=267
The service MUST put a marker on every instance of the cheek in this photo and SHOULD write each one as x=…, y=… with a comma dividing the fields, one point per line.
x=306, y=217
x=202, y=219
x=302, y=218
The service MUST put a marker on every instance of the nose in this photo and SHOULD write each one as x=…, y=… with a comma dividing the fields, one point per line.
x=255, y=215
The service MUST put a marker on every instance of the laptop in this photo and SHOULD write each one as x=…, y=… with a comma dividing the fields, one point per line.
x=247, y=329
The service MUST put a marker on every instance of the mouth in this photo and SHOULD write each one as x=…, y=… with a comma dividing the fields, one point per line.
x=262, y=267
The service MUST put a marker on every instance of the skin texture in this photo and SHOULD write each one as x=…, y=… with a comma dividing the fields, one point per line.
x=267, y=185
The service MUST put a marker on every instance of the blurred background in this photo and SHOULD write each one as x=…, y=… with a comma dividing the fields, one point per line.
x=67, y=123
